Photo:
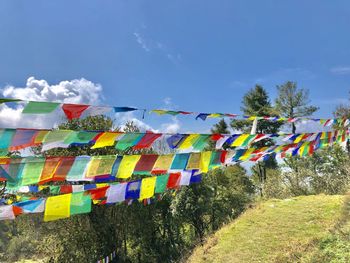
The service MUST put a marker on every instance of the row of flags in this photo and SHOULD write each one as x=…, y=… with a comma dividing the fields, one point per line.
x=18, y=139
x=79, y=200
x=68, y=200
x=75, y=111
x=40, y=170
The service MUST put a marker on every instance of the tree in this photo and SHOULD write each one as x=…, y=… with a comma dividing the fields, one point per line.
x=293, y=102
x=257, y=103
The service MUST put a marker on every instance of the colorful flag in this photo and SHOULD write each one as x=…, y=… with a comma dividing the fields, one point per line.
x=5, y=140
x=145, y=164
x=147, y=140
x=57, y=207
x=185, y=177
x=127, y=166
x=6, y=212
x=37, y=107
x=194, y=161
x=100, y=165
x=32, y=170
x=123, y=109
x=116, y=193
x=133, y=190
x=73, y=111
x=174, y=181
x=80, y=137
x=175, y=140
x=147, y=187
x=32, y=206
x=106, y=139
x=80, y=203
x=180, y=161
x=23, y=138
x=128, y=140
x=55, y=139
x=205, y=161
x=61, y=172
x=163, y=164
x=78, y=170
x=189, y=141
x=161, y=183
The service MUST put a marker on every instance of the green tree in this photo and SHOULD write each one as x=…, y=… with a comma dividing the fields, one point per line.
x=292, y=102
x=257, y=103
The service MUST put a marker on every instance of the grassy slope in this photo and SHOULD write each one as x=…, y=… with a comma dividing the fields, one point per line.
x=301, y=229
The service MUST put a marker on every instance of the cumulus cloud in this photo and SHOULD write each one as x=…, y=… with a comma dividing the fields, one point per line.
x=73, y=91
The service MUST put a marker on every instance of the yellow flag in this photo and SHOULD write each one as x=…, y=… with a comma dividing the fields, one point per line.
x=100, y=165
x=298, y=138
x=194, y=161
x=247, y=154
x=40, y=137
x=163, y=162
x=147, y=187
x=57, y=207
x=204, y=162
x=239, y=141
x=127, y=166
x=106, y=139
x=189, y=141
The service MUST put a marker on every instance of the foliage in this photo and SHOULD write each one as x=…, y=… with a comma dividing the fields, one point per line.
x=293, y=102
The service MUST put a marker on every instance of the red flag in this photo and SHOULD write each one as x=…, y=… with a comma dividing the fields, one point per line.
x=147, y=140
x=173, y=181
x=74, y=111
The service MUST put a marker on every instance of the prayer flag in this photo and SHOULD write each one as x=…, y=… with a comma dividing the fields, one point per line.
x=162, y=164
x=201, y=142
x=185, y=177
x=73, y=111
x=106, y=139
x=145, y=164
x=127, y=166
x=133, y=190
x=123, y=109
x=174, y=180
x=32, y=206
x=32, y=170
x=55, y=139
x=205, y=161
x=180, y=161
x=175, y=140
x=80, y=137
x=161, y=183
x=202, y=116
x=196, y=179
x=57, y=207
x=194, y=161
x=37, y=107
x=100, y=165
x=146, y=141
x=189, y=141
x=116, y=193
x=6, y=212
x=147, y=187
x=78, y=169
x=5, y=140
x=23, y=138
x=50, y=167
x=80, y=203
x=61, y=172
x=5, y=100
x=128, y=140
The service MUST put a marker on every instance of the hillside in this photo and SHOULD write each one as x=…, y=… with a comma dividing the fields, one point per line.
x=301, y=229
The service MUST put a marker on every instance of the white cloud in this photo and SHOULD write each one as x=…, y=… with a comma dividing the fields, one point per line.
x=150, y=45
x=74, y=91
x=171, y=127
x=341, y=70
x=142, y=41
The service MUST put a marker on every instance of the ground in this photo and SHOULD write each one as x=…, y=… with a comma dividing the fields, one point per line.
x=300, y=229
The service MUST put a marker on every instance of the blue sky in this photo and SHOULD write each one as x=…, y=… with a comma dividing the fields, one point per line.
x=189, y=55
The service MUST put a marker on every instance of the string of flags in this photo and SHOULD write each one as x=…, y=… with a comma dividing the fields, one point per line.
x=75, y=111
x=108, y=258
x=79, y=200
x=40, y=170
x=18, y=139
x=74, y=183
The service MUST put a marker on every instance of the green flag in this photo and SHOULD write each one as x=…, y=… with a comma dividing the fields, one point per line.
x=4, y=100
x=80, y=203
x=161, y=183
x=38, y=107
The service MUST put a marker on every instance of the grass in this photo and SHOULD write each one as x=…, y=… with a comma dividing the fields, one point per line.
x=301, y=229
